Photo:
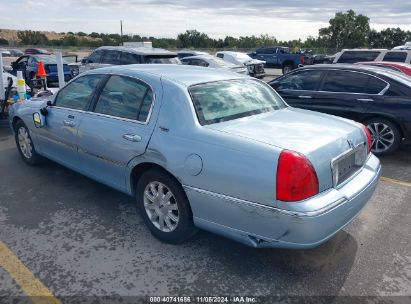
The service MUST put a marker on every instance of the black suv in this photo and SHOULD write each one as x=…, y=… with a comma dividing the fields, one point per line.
x=117, y=55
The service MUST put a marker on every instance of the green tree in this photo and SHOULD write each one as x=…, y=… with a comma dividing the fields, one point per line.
x=32, y=38
x=346, y=30
x=3, y=41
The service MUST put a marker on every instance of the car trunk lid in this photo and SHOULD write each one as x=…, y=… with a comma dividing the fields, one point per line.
x=329, y=142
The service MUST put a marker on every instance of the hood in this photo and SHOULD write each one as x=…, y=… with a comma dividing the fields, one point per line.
x=254, y=61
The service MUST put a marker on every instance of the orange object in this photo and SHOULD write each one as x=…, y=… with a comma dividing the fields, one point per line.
x=41, y=72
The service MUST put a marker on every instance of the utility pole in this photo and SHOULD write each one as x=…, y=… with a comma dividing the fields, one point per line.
x=121, y=32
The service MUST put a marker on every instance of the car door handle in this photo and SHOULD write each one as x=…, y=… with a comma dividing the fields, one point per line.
x=365, y=99
x=132, y=137
x=305, y=97
x=69, y=123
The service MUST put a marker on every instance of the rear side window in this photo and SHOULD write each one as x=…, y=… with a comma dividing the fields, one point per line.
x=304, y=80
x=111, y=57
x=357, y=56
x=77, y=93
x=130, y=58
x=375, y=85
x=126, y=98
x=345, y=81
x=398, y=90
x=395, y=56
x=95, y=57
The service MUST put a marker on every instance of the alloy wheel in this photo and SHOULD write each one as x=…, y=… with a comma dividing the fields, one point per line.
x=382, y=137
x=161, y=206
x=25, y=142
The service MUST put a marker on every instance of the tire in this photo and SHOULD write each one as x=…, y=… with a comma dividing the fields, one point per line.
x=287, y=68
x=386, y=137
x=25, y=144
x=172, y=225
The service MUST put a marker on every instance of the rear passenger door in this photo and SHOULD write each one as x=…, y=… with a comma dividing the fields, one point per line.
x=347, y=93
x=118, y=129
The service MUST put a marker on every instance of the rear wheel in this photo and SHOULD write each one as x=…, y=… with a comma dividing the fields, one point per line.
x=386, y=136
x=287, y=68
x=164, y=207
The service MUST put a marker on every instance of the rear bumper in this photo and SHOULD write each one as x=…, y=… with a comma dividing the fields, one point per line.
x=259, y=225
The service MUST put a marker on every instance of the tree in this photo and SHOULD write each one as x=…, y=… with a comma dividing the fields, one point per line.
x=3, y=41
x=193, y=38
x=32, y=38
x=347, y=30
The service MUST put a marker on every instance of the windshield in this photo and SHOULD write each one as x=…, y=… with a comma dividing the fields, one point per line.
x=221, y=62
x=242, y=57
x=162, y=60
x=47, y=59
x=231, y=99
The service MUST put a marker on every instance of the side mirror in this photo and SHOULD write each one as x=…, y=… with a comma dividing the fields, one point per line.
x=39, y=120
x=84, y=60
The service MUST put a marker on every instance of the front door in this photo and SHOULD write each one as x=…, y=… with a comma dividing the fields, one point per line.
x=117, y=130
x=299, y=88
x=58, y=138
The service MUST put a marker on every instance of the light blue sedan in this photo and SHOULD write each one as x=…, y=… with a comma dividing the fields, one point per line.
x=202, y=148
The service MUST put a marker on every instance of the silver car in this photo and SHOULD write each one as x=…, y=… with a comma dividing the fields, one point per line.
x=205, y=148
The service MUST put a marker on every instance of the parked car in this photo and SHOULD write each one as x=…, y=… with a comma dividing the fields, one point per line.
x=16, y=53
x=406, y=46
x=117, y=55
x=322, y=58
x=36, y=52
x=404, y=68
x=377, y=97
x=278, y=57
x=28, y=64
x=255, y=67
x=5, y=53
x=214, y=62
x=357, y=55
x=187, y=53
x=205, y=148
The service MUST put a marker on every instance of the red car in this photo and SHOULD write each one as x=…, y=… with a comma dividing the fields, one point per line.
x=404, y=68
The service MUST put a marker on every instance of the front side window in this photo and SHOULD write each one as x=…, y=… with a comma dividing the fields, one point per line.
x=125, y=97
x=219, y=55
x=345, y=81
x=303, y=80
x=395, y=56
x=231, y=99
x=95, y=57
x=111, y=57
x=76, y=95
x=130, y=58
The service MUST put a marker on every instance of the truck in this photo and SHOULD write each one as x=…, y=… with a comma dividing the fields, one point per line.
x=278, y=57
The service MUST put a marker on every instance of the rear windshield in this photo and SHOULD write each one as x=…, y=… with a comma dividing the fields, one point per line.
x=231, y=99
x=357, y=56
x=162, y=59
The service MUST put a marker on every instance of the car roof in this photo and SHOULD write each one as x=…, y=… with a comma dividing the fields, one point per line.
x=138, y=50
x=185, y=75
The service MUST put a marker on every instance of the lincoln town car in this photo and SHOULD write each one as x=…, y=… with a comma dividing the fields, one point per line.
x=208, y=149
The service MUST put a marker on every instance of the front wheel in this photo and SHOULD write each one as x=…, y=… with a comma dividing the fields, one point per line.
x=25, y=144
x=164, y=207
x=386, y=136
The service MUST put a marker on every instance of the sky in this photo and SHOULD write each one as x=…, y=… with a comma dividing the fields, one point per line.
x=285, y=19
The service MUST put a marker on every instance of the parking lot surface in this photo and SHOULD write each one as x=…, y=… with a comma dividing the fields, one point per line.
x=78, y=237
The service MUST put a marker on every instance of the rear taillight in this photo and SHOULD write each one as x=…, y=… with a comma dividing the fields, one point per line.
x=296, y=177
x=368, y=135
x=302, y=58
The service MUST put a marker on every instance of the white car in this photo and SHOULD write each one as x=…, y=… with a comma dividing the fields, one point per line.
x=214, y=62
x=255, y=67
